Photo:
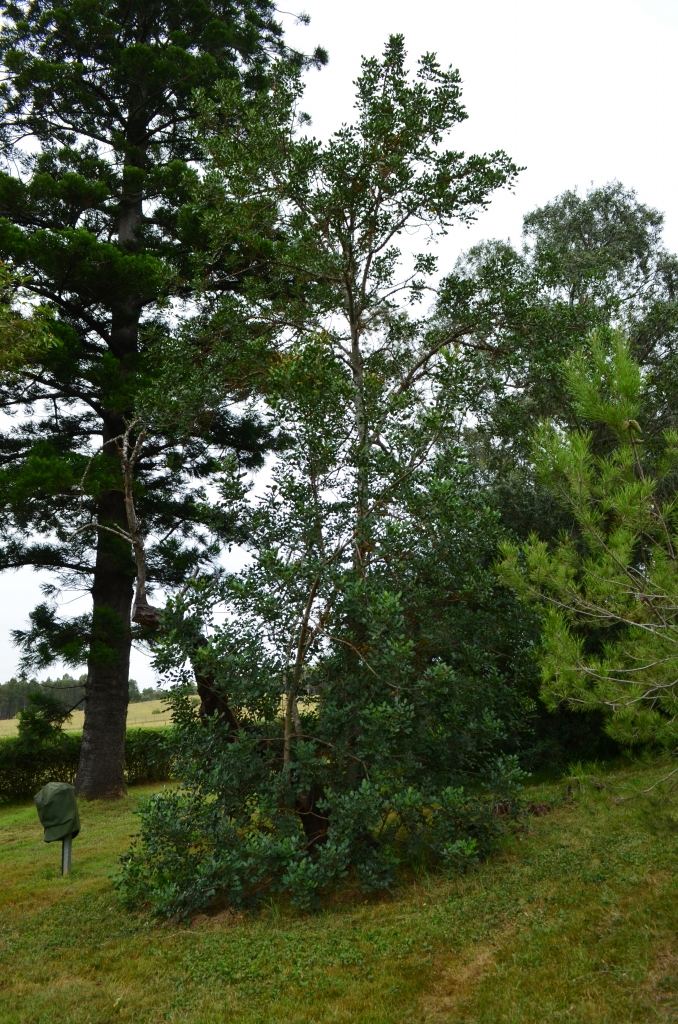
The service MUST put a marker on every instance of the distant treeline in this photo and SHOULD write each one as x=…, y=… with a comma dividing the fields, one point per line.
x=14, y=694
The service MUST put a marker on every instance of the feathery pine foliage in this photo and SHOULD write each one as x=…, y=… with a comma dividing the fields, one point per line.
x=365, y=672
x=609, y=589
x=25, y=332
x=98, y=218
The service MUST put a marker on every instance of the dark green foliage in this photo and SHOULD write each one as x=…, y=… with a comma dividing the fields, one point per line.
x=231, y=830
x=27, y=764
x=361, y=727
x=42, y=718
x=194, y=854
x=25, y=332
x=149, y=755
x=98, y=217
x=25, y=767
x=564, y=737
x=74, y=73
x=406, y=724
x=587, y=261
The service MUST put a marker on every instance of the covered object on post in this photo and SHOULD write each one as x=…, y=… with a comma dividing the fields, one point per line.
x=58, y=811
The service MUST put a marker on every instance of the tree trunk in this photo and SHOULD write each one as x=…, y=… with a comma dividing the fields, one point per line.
x=211, y=701
x=102, y=756
x=101, y=769
x=314, y=822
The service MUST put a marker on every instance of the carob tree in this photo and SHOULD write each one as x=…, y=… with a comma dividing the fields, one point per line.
x=356, y=652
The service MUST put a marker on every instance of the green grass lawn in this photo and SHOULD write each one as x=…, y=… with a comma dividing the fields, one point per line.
x=575, y=920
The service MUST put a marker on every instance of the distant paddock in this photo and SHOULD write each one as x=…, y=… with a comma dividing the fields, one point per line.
x=139, y=716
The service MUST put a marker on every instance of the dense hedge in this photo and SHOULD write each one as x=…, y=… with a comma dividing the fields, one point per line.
x=26, y=766
x=148, y=755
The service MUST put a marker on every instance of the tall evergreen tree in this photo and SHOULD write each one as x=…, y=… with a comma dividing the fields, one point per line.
x=96, y=215
x=587, y=261
x=368, y=606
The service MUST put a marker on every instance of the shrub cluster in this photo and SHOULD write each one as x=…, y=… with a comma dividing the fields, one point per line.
x=26, y=765
x=243, y=825
x=191, y=853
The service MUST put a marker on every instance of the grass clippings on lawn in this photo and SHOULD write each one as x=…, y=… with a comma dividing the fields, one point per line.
x=574, y=921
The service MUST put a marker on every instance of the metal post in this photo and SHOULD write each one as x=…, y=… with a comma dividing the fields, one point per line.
x=66, y=850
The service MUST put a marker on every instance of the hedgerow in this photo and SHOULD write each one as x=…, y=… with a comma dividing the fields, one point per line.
x=26, y=765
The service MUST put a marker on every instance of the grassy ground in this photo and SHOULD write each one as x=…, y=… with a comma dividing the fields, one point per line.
x=575, y=920
x=148, y=714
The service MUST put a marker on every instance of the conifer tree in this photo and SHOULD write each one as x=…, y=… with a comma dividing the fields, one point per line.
x=608, y=587
x=96, y=215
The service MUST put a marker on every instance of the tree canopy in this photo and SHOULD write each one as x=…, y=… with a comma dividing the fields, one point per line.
x=214, y=332
x=98, y=218
x=370, y=598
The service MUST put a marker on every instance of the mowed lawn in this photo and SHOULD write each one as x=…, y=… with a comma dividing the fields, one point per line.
x=575, y=920
x=147, y=714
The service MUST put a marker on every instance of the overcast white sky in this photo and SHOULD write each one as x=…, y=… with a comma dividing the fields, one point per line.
x=579, y=92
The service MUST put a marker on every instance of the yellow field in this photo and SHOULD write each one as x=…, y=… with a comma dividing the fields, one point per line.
x=138, y=716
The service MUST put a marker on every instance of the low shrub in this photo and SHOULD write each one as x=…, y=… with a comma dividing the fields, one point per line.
x=218, y=838
x=26, y=764
x=190, y=853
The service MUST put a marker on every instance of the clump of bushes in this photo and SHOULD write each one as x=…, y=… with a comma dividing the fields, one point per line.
x=26, y=767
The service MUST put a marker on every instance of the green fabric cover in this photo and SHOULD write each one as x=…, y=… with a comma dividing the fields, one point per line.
x=57, y=810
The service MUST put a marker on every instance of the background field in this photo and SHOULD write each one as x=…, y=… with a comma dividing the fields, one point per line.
x=140, y=715
x=575, y=920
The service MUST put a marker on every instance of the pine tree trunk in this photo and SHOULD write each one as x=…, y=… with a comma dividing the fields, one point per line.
x=101, y=769
x=102, y=757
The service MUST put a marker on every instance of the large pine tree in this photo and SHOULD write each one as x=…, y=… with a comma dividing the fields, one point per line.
x=96, y=215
